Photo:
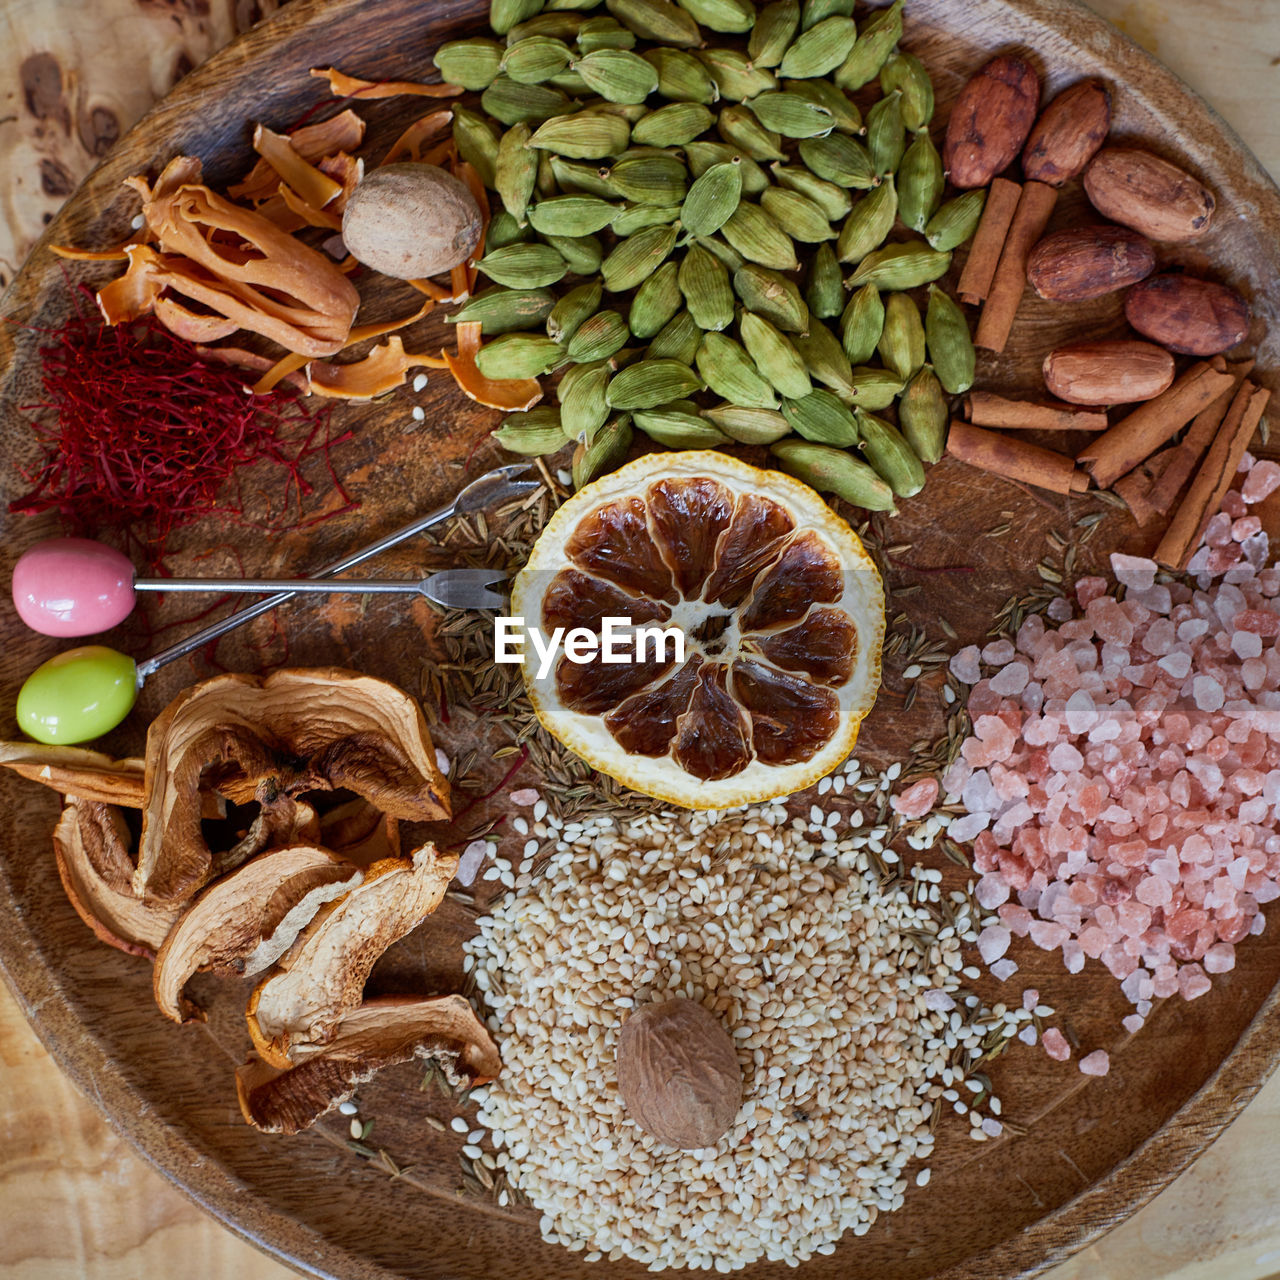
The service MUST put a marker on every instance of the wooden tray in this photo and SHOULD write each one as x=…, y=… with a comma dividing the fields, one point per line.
x=1093, y=1150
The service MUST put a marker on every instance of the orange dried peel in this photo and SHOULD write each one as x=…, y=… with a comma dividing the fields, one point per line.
x=510, y=394
x=345, y=86
x=316, y=188
x=382, y=370
x=91, y=255
x=310, y=215
x=343, y=132
x=408, y=146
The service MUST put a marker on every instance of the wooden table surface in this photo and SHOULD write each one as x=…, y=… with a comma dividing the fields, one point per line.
x=78, y=1202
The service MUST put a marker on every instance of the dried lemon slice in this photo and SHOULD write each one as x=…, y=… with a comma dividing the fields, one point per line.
x=781, y=611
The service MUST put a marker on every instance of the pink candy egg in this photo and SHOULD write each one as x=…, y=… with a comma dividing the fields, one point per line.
x=73, y=587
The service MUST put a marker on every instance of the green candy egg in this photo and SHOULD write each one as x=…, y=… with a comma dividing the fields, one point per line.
x=78, y=695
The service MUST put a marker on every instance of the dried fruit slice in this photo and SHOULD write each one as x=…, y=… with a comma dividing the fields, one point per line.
x=780, y=609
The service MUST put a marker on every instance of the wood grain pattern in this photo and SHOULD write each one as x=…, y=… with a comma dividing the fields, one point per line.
x=307, y=1199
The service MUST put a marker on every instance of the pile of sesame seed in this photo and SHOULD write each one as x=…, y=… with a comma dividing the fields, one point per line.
x=837, y=979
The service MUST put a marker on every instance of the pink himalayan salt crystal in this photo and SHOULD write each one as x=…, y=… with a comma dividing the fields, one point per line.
x=964, y=665
x=1097, y=1063
x=1219, y=958
x=1133, y=1023
x=991, y=892
x=993, y=942
x=1193, y=981
x=1004, y=969
x=1030, y=998
x=1262, y=481
x=1055, y=1044
x=1011, y=680
x=1028, y=1034
x=525, y=797
x=917, y=800
x=1090, y=589
x=1134, y=572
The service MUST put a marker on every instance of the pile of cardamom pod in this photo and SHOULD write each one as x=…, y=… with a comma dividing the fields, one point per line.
x=703, y=198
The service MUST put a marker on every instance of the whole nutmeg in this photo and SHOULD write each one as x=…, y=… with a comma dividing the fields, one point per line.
x=411, y=220
x=1147, y=193
x=990, y=121
x=678, y=1073
x=1087, y=262
x=1068, y=134
x=1190, y=316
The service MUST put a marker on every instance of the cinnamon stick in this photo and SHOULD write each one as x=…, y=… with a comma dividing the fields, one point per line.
x=1152, y=424
x=1137, y=487
x=988, y=241
x=1015, y=459
x=1035, y=208
x=1192, y=447
x=1214, y=477
x=985, y=409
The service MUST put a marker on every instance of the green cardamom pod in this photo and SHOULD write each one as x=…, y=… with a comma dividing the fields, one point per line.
x=680, y=426
x=505, y=14
x=791, y=115
x=845, y=115
x=679, y=339
x=524, y=266
x=637, y=257
x=570, y=82
x=923, y=416
x=512, y=103
x=734, y=74
x=825, y=359
x=949, y=341
x=862, y=324
x=775, y=357
x=545, y=186
x=473, y=64
x=656, y=20
x=673, y=125
x=504, y=230
x=755, y=235
x=617, y=75
x=681, y=77
x=886, y=134
x=583, y=254
x=821, y=417
x=516, y=171
x=658, y=179
x=559, y=26
x=499, y=310
x=875, y=389
x=584, y=407
x=820, y=50
x=702, y=155
x=905, y=73
x=585, y=178
x=518, y=355
x=920, y=183
x=902, y=343
x=729, y=16
x=704, y=282
x=602, y=336
x=724, y=254
x=649, y=383
x=957, y=220
x=575, y=215
x=606, y=452
x=477, y=143
x=656, y=302
x=576, y=307
x=824, y=291
x=532, y=433
x=797, y=215
x=604, y=33
x=637, y=217
x=839, y=159
x=775, y=28
x=772, y=295
x=732, y=374
x=712, y=199
x=631, y=112
x=738, y=126
x=748, y=426
x=816, y=10
x=560, y=6
x=890, y=456
x=589, y=135
x=834, y=471
x=868, y=226
x=900, y=266
x=875, y=44
x=535, y=59
x=832, y=200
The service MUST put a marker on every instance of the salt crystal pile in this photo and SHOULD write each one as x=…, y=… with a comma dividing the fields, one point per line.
x=1122, y=778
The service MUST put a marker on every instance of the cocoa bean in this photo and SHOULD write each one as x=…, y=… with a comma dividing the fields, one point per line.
x=1086, y=262
x=1190, y=316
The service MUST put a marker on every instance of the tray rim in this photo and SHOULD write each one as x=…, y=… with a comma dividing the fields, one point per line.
x=1075, y=1224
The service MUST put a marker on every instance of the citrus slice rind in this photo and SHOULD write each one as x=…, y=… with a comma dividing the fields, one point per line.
x=779, y=604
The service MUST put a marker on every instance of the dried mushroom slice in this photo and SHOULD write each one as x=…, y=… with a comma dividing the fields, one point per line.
x=360, y=832
x=91, y=848
x=321, y=978
x=270, y=739
x=778, y=606
x=377, y=1034
x=88, y=775
x=246, y=921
